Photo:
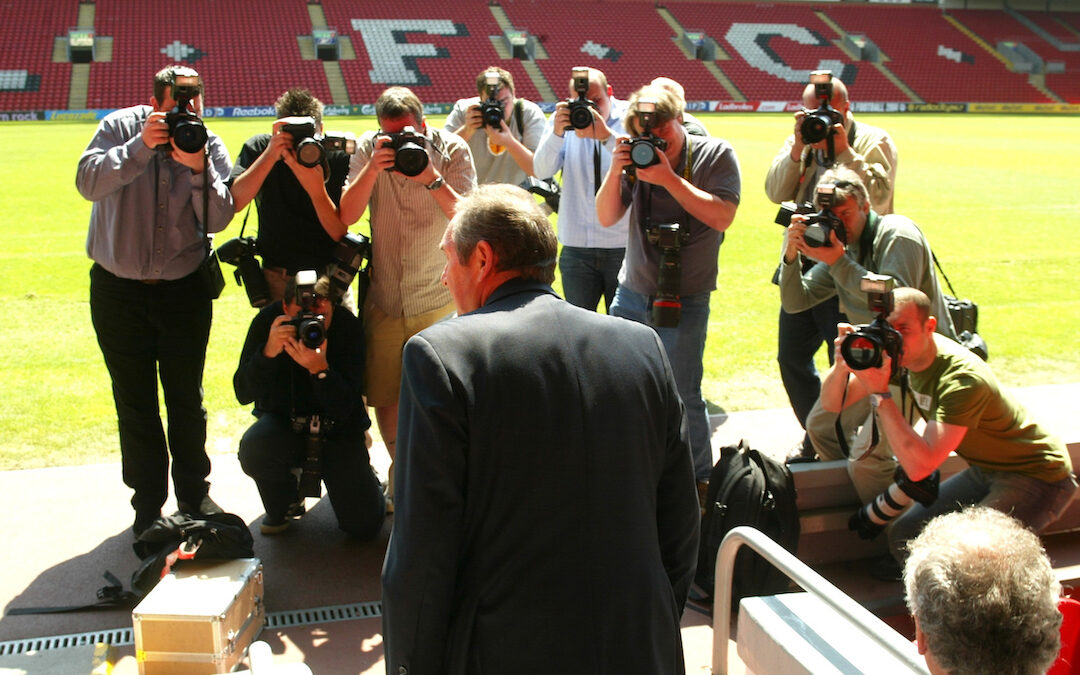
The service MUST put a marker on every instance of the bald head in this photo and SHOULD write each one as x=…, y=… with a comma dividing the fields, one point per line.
x=839, y=99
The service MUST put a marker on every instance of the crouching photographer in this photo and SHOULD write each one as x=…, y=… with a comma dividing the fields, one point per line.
x=682, y=194
x=302, y=365
x=1014, y=466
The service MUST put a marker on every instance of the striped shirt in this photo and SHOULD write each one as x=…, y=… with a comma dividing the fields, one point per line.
x=407, y=226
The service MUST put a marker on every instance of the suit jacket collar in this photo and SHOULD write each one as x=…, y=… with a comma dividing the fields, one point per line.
x=518, y=285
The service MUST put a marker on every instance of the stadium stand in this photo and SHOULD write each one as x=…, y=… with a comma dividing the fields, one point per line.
x=246, y=59
x=435, y=49
x=995, y=27
x=756, y=36
x=29, y=79
x=942, y=64
x=628, y=41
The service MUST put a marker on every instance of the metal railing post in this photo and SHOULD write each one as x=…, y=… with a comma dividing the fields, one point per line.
x=808, y=579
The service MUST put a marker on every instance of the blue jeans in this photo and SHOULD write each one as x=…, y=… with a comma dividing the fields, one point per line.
x=685, y=347
x=799, y=337
x=1033, y=502
x=589, y=274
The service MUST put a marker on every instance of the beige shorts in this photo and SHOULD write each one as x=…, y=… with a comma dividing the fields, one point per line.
x=386, y=338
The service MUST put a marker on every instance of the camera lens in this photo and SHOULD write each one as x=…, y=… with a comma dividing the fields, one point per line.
x=189, y=133
x=311, y=332
x=861, y=351
x=410, y=159
x=815, y=128
x=309, y=152
x=580, y=115
x=642, y=154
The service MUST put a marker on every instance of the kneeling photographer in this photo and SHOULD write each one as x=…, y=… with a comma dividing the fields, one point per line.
x=1014, y=466
x=682, y=192
x=295, y=176
x=302, y=365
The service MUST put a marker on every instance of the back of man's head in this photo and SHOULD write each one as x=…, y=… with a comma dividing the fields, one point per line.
x=397, y=102
x=983, y=595
x=513, y=224
x=299, y=102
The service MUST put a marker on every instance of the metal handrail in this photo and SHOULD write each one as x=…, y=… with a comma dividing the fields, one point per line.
x=808, y=579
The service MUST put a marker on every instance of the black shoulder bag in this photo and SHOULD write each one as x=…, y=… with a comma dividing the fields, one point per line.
x=213, y=281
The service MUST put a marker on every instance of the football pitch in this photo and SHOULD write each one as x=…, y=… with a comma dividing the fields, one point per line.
x=997, y=196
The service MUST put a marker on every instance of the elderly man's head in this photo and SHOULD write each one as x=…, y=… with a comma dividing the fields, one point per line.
x=983, y=595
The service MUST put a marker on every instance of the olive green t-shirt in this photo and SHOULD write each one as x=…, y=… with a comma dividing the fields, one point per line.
x=960, y=389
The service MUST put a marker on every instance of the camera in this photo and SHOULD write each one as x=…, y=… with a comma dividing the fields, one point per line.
x=310, y=327
x=818, y=124
x=185, y=127
x=349, y=255
x=410, y=155
x=643, y=148
x=581, y=116
x=863, y=348
x=818, y=223
x=491, y=110
x=310, y=147
x=871, y=519
x=548, y=189
x=667, y=305
x=241, y=251
x=310, y=484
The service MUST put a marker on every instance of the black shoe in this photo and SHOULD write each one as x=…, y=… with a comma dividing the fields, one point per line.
x=271, y=526
x=886, y=568
x=296, y=509
x=143, y=521
x=205, y=508
x=801, y=454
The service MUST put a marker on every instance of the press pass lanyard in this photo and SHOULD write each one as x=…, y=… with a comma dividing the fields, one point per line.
x=686, y=174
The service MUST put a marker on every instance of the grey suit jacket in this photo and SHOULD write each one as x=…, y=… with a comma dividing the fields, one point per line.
x=546, y=518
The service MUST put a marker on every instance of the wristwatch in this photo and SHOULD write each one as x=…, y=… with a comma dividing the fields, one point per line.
x=876, y=399
x=436, y=184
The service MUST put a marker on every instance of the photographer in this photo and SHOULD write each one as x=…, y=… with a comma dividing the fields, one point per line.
x=1014, y=465
x=503, y=153
x=793, y=176
x=858, y=240
x=694, y=182
x=298, y=220
x=409, y=213
x=290, y=381
x=154, y=202
x=591, y=253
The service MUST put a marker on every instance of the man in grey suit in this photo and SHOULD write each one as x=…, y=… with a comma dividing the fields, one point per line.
x=546, y=517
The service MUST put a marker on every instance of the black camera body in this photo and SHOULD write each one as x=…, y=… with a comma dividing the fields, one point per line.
x=310, y=327
x=865, y=347
x=645, y=148
x=548, y=189
x=818, y=124
x=581, y=108
x=819, y=223
x=185, y=128
x=349, y=257
x=410, y=154
x=316, y=428
x=310, y=147
x=241, y=252
x=667, y=304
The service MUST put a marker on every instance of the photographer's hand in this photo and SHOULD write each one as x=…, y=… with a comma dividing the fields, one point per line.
x=797, y=148
x=279, y=334
x=474, y=120
x=660, y=173
x=876, y=380
x=843, y=329
x=598, y=129
x=620, y=156
x=313, y=360
x=562, y=119
x=155, y=131
x=793, y=237
x=826, y=254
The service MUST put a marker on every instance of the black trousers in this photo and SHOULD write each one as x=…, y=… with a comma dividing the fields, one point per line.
x=270, y=450
x=147, y=331
x=800, y=336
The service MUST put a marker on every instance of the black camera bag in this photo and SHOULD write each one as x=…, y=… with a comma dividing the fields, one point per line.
x=965, y=319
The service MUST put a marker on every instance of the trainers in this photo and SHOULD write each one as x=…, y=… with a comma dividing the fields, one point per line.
x=802, y=452
x=205, y=508
x=296, y=509
x=143, y=521
x=272, y=526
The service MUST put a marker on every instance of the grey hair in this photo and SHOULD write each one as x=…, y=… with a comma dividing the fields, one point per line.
x=847, y=183
x=509, y=219
x=985, y=596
